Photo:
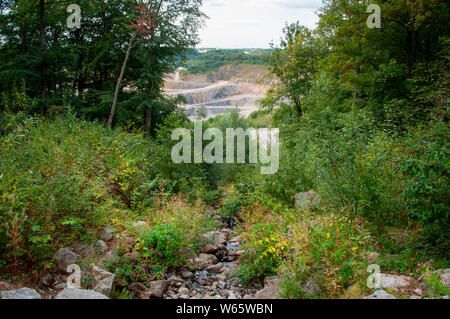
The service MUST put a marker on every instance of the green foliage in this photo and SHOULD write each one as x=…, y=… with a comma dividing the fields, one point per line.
x=211, y=60
x=161, y=247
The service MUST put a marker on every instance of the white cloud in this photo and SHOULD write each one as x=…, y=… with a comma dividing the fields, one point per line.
x=253, y=23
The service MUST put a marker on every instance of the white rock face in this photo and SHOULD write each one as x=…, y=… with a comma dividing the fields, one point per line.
x=23, y=293
x=74, y=293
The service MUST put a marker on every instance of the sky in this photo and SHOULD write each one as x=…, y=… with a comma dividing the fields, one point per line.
x=253, y=23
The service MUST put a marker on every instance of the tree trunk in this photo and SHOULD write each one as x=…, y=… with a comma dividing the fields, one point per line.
x=148, y=121
x=119, y=82
x=42, y=48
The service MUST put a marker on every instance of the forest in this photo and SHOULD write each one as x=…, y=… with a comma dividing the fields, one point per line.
x=86, y=175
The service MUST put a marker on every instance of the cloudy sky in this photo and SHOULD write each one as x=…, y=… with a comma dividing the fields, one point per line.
x=253, y=23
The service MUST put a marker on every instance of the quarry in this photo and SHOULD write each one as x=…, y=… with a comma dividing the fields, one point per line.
x=230, y=87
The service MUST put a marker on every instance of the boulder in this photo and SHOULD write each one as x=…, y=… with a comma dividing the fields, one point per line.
x=208, y=259
x=445, y=276
x=215, y=268
x=380, y=294
x=209, y=249
x=373, y=257
x=158, y=288
x=47, y=279
x=65, y=257
x=271, y=290
x=311, y=288
x=307, y=200
x=23, y=293
x=215, y=237
x=141, y=225
x=397, y=283
x=104, y=281
x=100, y=246
x=107, y=234
x=187, y=275
x=74, y=293
x=187, y=252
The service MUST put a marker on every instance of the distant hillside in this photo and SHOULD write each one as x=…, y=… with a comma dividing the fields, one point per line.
x=212, y=60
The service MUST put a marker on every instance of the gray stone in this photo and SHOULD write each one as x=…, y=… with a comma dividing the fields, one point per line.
x=140, y=225
x=104, y=281
x=65, y=257
x=187, y=252
x=187, y=275
x=373, y=257
x=158, y=288
x=396, y=282
x=380, y=294
x=215, y=237
x=100, y=246
x=23, y=293
x=209, y=249
x=311, y=288
x=208, y=259
x=74, y=293
x=215, y=268
x=107, y=234
x=307, y=200
x=47, y=279
x=271, y=290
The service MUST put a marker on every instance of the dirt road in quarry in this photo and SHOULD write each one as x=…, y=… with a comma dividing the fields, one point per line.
x=218, y=95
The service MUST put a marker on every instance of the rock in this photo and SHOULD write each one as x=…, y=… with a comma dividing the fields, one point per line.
x=380, y=294
x=175, y=279
x=221, y=277
x=137, y=288
x=373, y=257
x=74, y=293
x=307, y=200
x=187, y=275
x=270, y=290
x=215, y=268
x=183, y=296
x=208, y=259
x=104, y=281
x=100, y=246
x=225, y=271
x=65, y=257
x=183, y=291
x=23, y=293
x=158, y=288
x=131, y=256
x=107, y=233
x=120, y=282
x=247, y=296
x=187, y=252
x=397, y=283
x=238, y=253
x=61, y=286
x=215, y=237
x=311, y=288
x=209, y=249
x=47, y=279
x=445, y=277
x=141, y=225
